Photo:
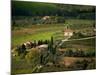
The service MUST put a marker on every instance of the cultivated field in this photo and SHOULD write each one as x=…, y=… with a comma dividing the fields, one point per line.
x=35, y=32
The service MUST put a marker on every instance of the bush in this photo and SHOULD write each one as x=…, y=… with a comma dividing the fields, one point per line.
x=33, y=56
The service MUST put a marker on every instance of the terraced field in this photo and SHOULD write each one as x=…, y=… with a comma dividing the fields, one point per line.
x=41, y=32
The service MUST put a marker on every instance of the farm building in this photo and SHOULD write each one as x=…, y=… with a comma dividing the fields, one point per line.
x=68, y=33
x=46, y=17
x=42, y=47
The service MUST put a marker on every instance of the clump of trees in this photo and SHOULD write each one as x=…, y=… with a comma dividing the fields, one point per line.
x=19, y=51
x=52, y=47
x=49, y=55
x=69, y=11
x=24, y=21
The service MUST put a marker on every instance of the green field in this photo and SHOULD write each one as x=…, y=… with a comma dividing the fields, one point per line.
x=80, y=44
x=41, y=32
x=45, y=31
x=80, y=23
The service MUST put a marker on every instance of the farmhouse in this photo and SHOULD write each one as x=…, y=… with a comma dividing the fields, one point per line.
x=68, y=33
x=46, y=17
x=28, y=44
x=43, y=46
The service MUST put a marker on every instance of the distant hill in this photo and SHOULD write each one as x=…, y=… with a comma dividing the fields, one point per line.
x=22, y=8
x=33, y=8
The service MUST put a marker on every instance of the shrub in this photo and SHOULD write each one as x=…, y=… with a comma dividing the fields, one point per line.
x=33, y=56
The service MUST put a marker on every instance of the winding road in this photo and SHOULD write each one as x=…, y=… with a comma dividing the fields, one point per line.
x=75, y=39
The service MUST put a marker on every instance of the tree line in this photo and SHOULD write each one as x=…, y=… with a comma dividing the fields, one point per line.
x=20, y=8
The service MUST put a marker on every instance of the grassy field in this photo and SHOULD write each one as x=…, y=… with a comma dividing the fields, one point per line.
x=42, y=32
x=80, y=23
x=80, y=44
x=36, y=32
x=20, y=66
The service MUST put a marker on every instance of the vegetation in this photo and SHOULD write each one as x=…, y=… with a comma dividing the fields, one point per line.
x=80, y=44
x=78, y=53
x=20, y=8
x=84, y=64
x=35, y=39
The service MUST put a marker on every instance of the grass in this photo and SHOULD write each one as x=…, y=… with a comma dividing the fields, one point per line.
x=80, y=44
x=20, y=66
x=43, y=32
x=80, y=23
x=38, y=36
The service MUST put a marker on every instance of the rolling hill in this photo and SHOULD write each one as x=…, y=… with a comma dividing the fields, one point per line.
x=22, y=8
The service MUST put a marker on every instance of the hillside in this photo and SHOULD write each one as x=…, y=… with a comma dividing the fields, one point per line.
x=32, y=8
x=20, y=8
